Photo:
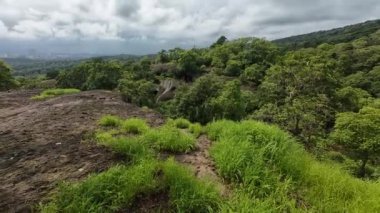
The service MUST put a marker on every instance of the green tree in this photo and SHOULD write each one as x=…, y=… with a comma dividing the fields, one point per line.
x=6, y=79
x=230, y=103
x=221, y=40
x=194, y=104
x=359, y=133
x=189, y=65
x=140, y=92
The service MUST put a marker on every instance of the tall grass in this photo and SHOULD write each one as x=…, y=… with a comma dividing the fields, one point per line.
x=118, y=187
x=187, y=193
x=106, y=192
x=50, y=93
x=169, y=138
x=134, y=148
x=271, y=171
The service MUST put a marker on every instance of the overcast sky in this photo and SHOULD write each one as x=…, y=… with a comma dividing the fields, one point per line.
x=146, y=26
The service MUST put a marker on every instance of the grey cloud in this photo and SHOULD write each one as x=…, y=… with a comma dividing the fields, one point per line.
x=145, y=26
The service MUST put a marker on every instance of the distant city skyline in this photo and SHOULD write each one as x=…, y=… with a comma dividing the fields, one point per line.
x=147, y=26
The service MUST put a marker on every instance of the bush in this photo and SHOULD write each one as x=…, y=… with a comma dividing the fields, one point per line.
x=6, y=79
x=51, y=93
x=141, y=92
x=93, y=74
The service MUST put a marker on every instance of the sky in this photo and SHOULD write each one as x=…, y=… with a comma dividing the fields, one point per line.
x=147, y=26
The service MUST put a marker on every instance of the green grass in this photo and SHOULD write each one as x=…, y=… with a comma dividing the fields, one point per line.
x=134, y=148
x=50, y=93
x=110, y=121
x=165, y=138
x=268, y=171
x=187, y=193
x=180, y=123
x=272, y=173
x=106, y=192
x=118, y=187
x=196, y=129
x=134, y=126
x=169, y=138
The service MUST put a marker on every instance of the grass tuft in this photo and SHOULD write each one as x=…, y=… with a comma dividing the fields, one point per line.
x=133, y=147
x=180, y=123
x=168, y=138
x=110, y=121
x=134, y=126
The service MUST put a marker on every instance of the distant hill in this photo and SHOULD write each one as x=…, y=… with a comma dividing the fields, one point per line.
x=29, y=67
x=334, y=36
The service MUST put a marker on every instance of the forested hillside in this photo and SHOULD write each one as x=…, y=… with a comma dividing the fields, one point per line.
x=302, y=91
x=334, y=36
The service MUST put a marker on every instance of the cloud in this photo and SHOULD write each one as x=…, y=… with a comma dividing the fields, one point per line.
x=142, y=26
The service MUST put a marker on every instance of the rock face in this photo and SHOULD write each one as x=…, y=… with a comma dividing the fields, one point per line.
x=166, y=90
x=41, y=142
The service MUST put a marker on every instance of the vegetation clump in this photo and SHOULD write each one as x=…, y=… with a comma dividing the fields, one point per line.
x=271, y=172
x=118, y=187
x=51, y=93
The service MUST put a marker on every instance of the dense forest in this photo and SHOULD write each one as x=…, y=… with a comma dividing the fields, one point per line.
x=322, y=88
x=334, y=36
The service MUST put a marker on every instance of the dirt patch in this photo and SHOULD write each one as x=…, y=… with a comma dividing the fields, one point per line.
x=41, y=142
x=201, y=163
x=156, y=202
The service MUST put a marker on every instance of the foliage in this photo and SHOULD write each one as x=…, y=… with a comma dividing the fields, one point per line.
x=141, y=92
x=335, y=36
x=359, y=133
x=6, y=79
x=94, y=74
x=51, y=93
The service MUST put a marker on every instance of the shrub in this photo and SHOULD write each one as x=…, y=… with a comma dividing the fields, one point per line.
x=93, y=74
x=6, y=79
x=141, y=92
